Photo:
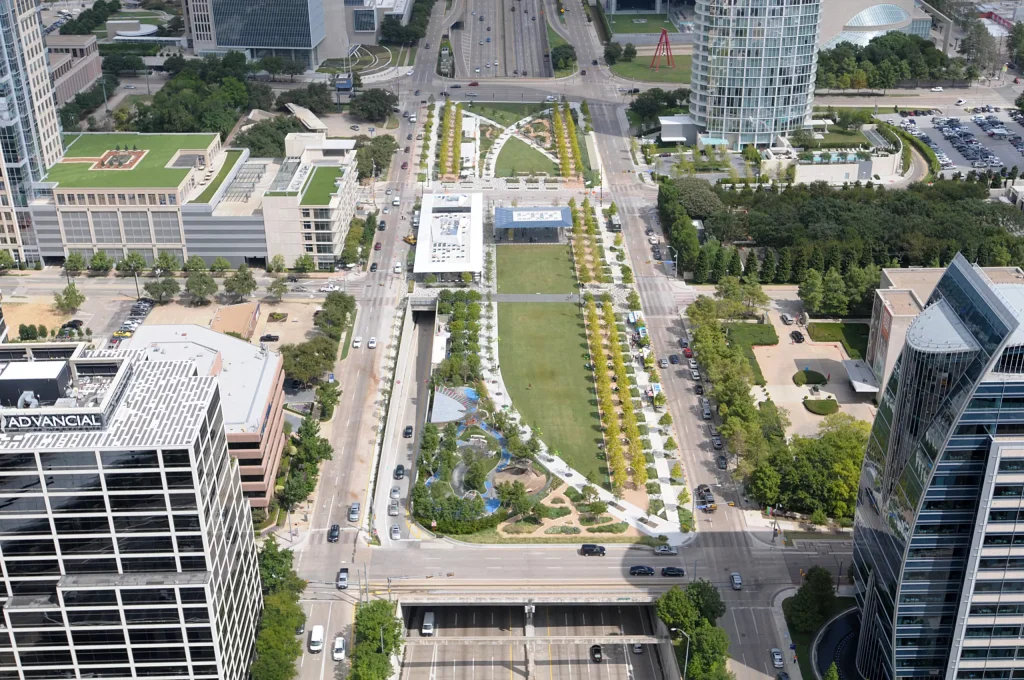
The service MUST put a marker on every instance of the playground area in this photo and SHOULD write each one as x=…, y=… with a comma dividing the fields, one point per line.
x=484, y=457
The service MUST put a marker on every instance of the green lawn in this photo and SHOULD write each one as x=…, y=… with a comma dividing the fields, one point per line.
x=746, y=335
x=852, y=137
x=506, y=113
x=541, y=354
x=640, y=69
x=321, y=186
x=519, y=157
x=410, y=56
x=803, y=640
x=149, y=173
x=554, y=40
x=623, y=23
x=853, y=336
x=211, y=189
x=535, y=269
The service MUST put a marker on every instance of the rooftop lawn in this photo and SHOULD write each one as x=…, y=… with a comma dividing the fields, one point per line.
x=149, y=173
x=535, y=269
x=211, y=189
x=623, y=23
x=640, y=70
x=541, y=350
x=852, y=138
x=321, y=186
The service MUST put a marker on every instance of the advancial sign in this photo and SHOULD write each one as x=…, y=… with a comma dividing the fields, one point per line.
x=55, y=422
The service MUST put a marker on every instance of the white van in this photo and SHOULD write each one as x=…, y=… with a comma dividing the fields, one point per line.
x=398, y=268
x=427, y=629
x=316, y=640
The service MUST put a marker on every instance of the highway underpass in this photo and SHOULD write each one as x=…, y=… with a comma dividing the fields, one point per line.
x=549, y=641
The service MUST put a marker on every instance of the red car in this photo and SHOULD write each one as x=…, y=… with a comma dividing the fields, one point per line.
x=376, y=246
x=688, y=353
x=474, y=84
x=405, y=165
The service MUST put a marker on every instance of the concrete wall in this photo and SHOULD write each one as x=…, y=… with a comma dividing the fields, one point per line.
x=233, y=238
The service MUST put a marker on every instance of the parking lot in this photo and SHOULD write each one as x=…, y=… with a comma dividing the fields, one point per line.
x=552, y=660
x=971, y=133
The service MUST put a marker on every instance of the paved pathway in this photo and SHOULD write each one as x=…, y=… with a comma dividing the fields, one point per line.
x=537, y=297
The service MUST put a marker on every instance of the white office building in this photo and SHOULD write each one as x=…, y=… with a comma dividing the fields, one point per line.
x=125, y=543
x=754, y=64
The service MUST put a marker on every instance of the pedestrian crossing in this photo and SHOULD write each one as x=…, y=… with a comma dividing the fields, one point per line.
x=663, y=297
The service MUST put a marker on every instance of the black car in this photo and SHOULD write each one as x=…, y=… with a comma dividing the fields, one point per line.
x=373, y=267
x=641, y=571
x=456, y=87
x=399, y=472
x=333, y=533
x=292, y=279
x=74, y=323
x=716, y=442
x=593, y=62
x=269, y=337
x=408, y=137
x=407, y=432
x=595, y=653
x=698, y=388
x=300, y=629
x=673, y=571
x=797, y=336
x=381, y=226
x=683, y=343
x=722, y=462
x=417, y=92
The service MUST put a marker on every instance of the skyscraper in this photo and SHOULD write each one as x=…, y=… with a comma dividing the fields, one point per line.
x=754, y=64
x=126, y=546
x=29, y=128
x=938, y=572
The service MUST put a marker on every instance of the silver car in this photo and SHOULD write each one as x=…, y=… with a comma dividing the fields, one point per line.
x=396, y=533
x=734, y=579
x=666, y=550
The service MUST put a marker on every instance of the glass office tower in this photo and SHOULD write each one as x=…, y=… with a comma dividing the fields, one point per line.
x=126, y=547
x=292, y=29
x=754, y=63
x=30, y=141
x=938, y=567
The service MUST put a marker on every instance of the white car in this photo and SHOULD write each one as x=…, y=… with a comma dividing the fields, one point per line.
x=477, y=70
x=776, y=652
x=396, y=533
x=329, y=288
x=338, y=651
x=961, y=102
x=936, y=89
x=357, y=341
x=409, y=72
x=653, y=240
x=372, y=344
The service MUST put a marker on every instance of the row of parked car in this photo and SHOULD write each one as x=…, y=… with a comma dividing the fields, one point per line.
x=136, y=315
x=910, y=125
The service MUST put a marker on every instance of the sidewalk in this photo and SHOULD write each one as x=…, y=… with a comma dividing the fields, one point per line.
x=779, y=620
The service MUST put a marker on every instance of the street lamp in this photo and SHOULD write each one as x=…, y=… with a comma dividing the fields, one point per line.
x=686, y=661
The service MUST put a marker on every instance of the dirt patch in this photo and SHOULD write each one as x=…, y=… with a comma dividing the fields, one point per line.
x=533, y=481
x=17, y=313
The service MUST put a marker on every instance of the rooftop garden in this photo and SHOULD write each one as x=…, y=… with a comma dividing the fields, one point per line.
x=149, y=171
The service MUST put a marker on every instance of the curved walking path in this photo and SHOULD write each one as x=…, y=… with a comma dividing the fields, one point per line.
x=491, y=159
x=652, y=525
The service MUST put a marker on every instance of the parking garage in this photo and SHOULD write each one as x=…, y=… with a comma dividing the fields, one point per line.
x=593, y=640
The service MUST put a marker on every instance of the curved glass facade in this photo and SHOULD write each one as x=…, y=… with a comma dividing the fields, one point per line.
x=932, y=472
x=754, y=63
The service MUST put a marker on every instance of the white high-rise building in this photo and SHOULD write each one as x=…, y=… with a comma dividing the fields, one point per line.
x=754, y=64
x=126, y=546
x=30, y=139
